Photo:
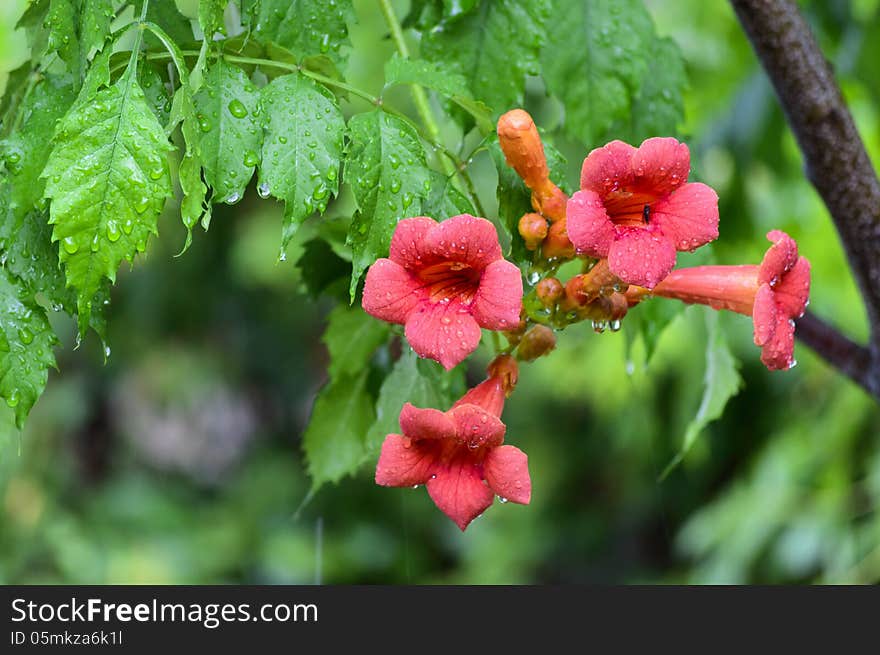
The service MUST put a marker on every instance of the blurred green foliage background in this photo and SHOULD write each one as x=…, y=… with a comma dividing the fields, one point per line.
x=179, y=460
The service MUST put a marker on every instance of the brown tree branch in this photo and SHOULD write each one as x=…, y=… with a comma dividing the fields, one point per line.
x=845, y=355
x=836, y=163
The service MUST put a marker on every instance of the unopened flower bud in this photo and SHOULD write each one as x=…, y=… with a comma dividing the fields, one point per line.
x=550, y=200
x=505, y=368
x=533, y=229
x=521, y=144
x=549, y=291
x=557, y=244
x=537, y=342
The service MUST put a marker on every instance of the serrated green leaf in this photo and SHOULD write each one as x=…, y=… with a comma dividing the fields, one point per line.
x=422, y=383
x=598, y=79
x=445, y=200
x=302, y=148
x=155, y=91
x=16, y=86
x=26, y=341
x=720, y=383
x=352, y=337
x=193, y=206
x=27, y=149
x=107, y=178
x=426, y=73
x=306, y=27
x=514, y=198
x=211, y=17
x=439, y=78
x=334, y=439
x=228, y=108
x=62, y=22
x=95, y=19
x=658, y=107
x=494, y=47
x=321, y=269
x=386, y=169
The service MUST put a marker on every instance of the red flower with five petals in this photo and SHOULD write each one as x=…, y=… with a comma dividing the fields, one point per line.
x=636, y=208
x=774, y=294
x=445, y=281
x=458, y=454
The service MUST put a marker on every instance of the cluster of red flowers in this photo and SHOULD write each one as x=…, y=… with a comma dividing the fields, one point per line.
x=445, y=281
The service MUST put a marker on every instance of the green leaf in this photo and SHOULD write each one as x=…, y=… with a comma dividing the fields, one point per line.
x=648, y=321
x=658, y=107
x=427, y=73
x=386, y=168
x=62, y=21
x=95, y=19
x=306, y=27
x=302, y=148
x=27, y=149
x=26, y=341
x=321, y=268
x=494, y=47
x=155, y=91
x=436, y=76
x=514, y=198
x=107, y=177
x=352, y=337
x=211, y=17
x=228, y=107
x=721, y=383
x=594, y=61
x=183, y=112
x=420, y=382
x=445, y=200
x=334, y=439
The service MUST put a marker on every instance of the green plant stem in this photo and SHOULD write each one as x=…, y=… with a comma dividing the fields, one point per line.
x=451, y=165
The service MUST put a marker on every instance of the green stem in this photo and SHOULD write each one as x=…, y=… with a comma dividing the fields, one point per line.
x=452, y=165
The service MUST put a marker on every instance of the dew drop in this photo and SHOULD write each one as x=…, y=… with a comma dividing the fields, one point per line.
x=263, y=190
x=236, y=108
x=70, y=245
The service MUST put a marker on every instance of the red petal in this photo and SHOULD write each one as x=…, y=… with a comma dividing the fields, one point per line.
x=661, y=165
x=507, y=472
x=608, y=168
x=778, y=353
x=793, y=290
x=489, y=395
x=641, y=256
x=404, y=463
x=408, y=243
x=779, y=258
x=689, y=217
x=444, y=331
x=459, y=491
x=429, y=423
x=498, y=301
x=467, y=239
x=390, y=292
x=475, y=427
x=589, y=227
x=764, y=315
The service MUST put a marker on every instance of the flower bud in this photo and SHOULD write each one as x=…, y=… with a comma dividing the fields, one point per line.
x=557, y=244
x=537, y=342
x=550, y=201
x=505, y=368
x=549, y=291
x=521, y=144
x=533, y=230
